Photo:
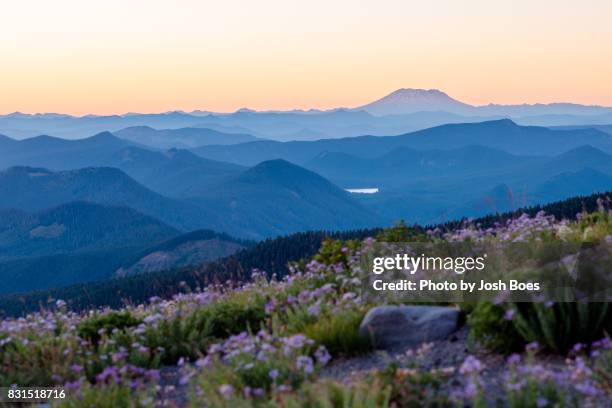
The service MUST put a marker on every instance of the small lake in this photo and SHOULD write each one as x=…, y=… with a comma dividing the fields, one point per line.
x=373, y=190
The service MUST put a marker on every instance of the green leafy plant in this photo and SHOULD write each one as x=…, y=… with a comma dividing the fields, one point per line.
x=412, y=387
x=559, y=326
x=401, y=232
x=330, y=394
x=339, y=333
x=491, y=327
x=92, y=328
x=189, y=333
x=556, y=326
x=335, y=251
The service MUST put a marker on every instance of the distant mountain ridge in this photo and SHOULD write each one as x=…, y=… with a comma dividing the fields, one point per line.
x=401, y=111
x=501, y=134
x=421, y=176
x=410, y=100
x=183, y=138
x=173, y=172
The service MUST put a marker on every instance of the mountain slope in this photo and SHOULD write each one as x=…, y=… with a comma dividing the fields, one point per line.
x=581, y=182
x=604, y=128
x=175, y=173
x=579, y=158
x=276, y=197
x=53, y=271
x=560, y=186
x=71, y=243
x=33, y=189
x=6, y=142
x=404, y=163
x=77, y=226
x=407, y=100
x=530, y=174
x=189, y=249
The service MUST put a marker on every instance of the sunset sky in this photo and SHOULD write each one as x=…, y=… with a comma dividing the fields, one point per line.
x=119, y=56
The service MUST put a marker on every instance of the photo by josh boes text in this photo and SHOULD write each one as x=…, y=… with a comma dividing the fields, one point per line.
x=455, y=272
x=430, y=285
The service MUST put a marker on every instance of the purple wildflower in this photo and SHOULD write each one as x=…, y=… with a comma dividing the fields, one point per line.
x=470, y=390
x=322, y=355
x=314, y=310
x=109, y=373
x=77, y=369
x=270, y=306
x=305, y=364
x=514, y=359
x=532, y=347
x=226, y=391
x=471, y=365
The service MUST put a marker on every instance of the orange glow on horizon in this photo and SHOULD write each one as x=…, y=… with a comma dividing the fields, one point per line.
x=155, y=56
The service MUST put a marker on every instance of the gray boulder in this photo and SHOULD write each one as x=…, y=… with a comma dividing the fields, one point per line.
x=392, y=327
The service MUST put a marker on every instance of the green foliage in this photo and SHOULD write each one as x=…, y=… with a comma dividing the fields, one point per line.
x=339, y=333
x=330, y=394
x=34, y=363
x=410, y=387
x=602, y=369
x=564, y=209
x=527, y=387
x=107, y=396
x=594, y=226
x=335, y=251
x=401, y=232
x=188, y=334
x=320, y=394
x=256, y=366
x=559, y=326
x=91, y=329
x=489, y=326
x=234, y=315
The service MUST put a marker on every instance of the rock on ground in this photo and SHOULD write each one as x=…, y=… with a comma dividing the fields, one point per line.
x=392, y=327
